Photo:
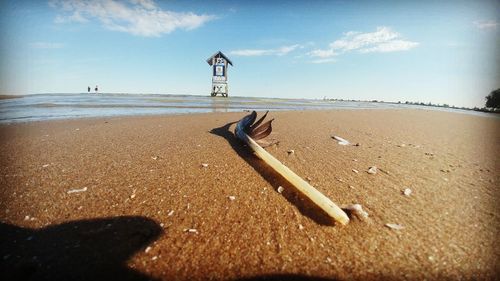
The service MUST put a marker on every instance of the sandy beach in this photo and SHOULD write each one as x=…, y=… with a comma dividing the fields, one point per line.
x=127, y=198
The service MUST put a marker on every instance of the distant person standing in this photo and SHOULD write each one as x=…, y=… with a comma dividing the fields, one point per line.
x=96, y=89
x=88, y=89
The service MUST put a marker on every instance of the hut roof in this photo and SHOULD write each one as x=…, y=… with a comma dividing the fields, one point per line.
x=219, y=54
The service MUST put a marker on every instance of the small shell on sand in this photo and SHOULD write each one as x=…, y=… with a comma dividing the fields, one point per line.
x=394, y=226
x=291, y=151
x=341, y=141
x=280, y=189
x=301, y=227
x=77, y=190
x=170, y=213
x=191, y=230
x=204, y=165
x=45, y=165
x=407, y=192
x=372, y=170
x=147, y=249
x=231, y=198
x=357, y=210
x=356, y=171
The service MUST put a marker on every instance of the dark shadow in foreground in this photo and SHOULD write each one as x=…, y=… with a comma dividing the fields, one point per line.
x=96, y=249
x=304, y=205
x=288, y=277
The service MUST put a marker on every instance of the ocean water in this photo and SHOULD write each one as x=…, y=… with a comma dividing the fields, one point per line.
x=41, y=107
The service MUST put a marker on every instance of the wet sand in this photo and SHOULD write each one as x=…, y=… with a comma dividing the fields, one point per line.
x=128, y=198
x=4, y=97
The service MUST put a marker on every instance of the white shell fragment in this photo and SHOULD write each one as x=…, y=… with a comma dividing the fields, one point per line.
x=191, y=230
x=280, y=189
x=170, y=213
x=301, y=227
x=45, y=165
x=77, y=190
x=231, y=198
x=394, y=226
x=291, y=151
x=204, y=165
x=407, y=192
x=357, y=210
x=341, y=141
x=356, y=171
x=372, y=170
x=147, y=249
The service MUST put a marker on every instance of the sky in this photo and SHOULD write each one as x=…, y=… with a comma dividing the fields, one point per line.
x=421, y=51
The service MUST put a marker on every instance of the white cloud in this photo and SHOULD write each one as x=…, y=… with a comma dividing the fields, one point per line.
x=391, y=46
x=326, y=60
x=138, y=17
x=47, y=45
x=265, y=52
x=382, y=40
x=486, y=24
x=286, y=49
x=322, y=53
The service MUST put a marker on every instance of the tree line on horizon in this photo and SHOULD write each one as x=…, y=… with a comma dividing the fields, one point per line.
x=492, y=103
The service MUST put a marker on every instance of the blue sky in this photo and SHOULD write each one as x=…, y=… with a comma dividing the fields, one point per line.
x=429, y=51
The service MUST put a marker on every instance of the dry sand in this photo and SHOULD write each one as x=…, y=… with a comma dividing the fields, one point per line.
x=138, y=186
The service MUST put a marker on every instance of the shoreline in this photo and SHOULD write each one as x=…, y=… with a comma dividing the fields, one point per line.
x=437, y=109
x=134, y=187
x=68, y=106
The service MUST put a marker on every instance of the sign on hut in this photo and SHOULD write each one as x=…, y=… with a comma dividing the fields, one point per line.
x=219, y=63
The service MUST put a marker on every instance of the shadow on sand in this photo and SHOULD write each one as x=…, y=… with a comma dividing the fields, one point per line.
x=96, y=249
x=288, y=277
x=304, y=205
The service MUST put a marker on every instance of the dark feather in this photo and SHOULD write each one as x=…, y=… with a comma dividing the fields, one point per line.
x=259, y=121
x=262, y=131
x=256, y=131
x=244, y=124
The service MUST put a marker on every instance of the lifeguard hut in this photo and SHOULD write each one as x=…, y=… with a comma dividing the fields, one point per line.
x=219, y=63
